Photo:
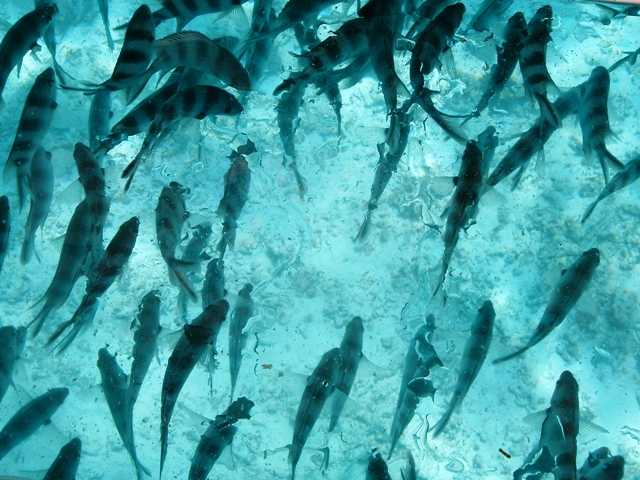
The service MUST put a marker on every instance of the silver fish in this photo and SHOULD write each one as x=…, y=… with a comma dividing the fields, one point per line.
x=194, y=253
x=100, y=114
x=242, y=312
x=41, y=188
x=237, y=182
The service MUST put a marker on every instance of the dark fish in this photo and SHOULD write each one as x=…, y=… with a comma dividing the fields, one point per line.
x=22, y=37
x=351, y=352
x=196, y=338
x=418, y=362
x=320, y=385
x=194, y=253
x=488, y=13
x=409, y=473
x=34, y=123
x=100, y=278
x=213, y=285
x=377, y=468
x=31, y=417
x=217, y=437
x=507, y=59
x=49, y=37
x=390, y=152
x=99, y=118
x=475, y=353
x=65, y=466
x=298, y=11
x=569, y=289
x=601, y=465
x=103, y=6
x=115, y=386
x=41, y=188
x=12, y=342
x=237, y=182
x=5, y=228
x=242, y=312
x=619, y=181
x=594, y=120
x=463, y=204
x=424, y=14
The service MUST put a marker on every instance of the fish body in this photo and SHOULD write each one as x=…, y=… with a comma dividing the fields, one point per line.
x=196, y=338
x=29, y=418
x=37, y=113
x=100, y=114
x=186, y=10
x=242, y=312
x=572, y=284
x=594, y=120
x=5, y=228
x=103, y=6
x=194, y=253
x=475, y=353
x=22, y=37
x=288, y=110
x=12, y=342
x=351, y=352
x=41, y=189
x=213, y=285
x=217, y=437
x=377, y=468
x=320, y=385
x=259, y=49
x=601, y=465
x=65, y=465
x=237, y=182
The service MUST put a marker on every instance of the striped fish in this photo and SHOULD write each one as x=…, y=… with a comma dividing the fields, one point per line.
x=34, y=123
x=475, y=353
x=5, y=228
x=213, y=285
x=21, y=38
x=237, y=182
x=594, y=120
x=65, y=465
x=41, y=188
x=243, y=311
x=12, y=342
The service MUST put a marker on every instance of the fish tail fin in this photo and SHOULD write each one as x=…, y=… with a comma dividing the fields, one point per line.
x=547, y=110
x=26, y=251
x=83, y=316
x=176, y=269
x=611, y=158
x=590, y=210
x=517, y=353
x=442, y=423
x=41, y=317
x=223, y=243
x=518, y=177
x=363, y=231
x=23, y=189
x=300, y=180
x=446, y=258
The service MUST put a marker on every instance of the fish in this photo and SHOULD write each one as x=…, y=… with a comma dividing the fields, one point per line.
x=390, y=153
x=594, y=120
x=12, y=341
x=196, y=338
x=620, y=180
x=194, y=253
x=420, y=358
x=572, y=284
x=5, y=228
x=507, y=55
x=49, y=37
x=630, y=57
x=65, y=465
x=409, y=473
x=115, y=386
x=237, y=182
x=171, y=213
x=103, y=6
x=298, y=11
x=196, y=102
x=377, y=468
x=601, y=465
x=243, y=311
x=100, y=114
x=102, y=276
x=463, y=204
x=258, y=51
x=320, y=386
x=475, y=353
x=351, y=353
x=213, y=285
x=487, y=14
x=37, y=113
x=22, y=37
x=28, y=419
x=533, y=62
x=190, y=49
x=41, y=189
x=424, y=14
x=218, y=436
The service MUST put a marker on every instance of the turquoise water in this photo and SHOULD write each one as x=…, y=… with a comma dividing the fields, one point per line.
x=310, y=278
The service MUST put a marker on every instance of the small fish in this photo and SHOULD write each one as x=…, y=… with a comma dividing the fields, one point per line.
x=65, y=466
x=242, y=312
x=12, y=342
x=475, y=353
x=594, y=120
x=601, y=465
x=424, y=14
x=568, y=290
x=351, y=352
x=620, y=180
x=37, y=113
x=100, y=114
x=5, y=228
x=196, y=338
x=115, y=386
x=101, y=277
x=103, y=6
x=49, y=37
x=217, y=437
x=237, y=182
x=320, y=385
x=22, y=37
x=213, y=285
x=194, y=253
x=29, y=418
x=41, y=188
x=377, y=468
x=488, y=12
x=298, y=11
x=418, y=362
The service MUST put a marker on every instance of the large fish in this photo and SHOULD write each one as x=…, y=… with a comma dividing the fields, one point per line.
x=65, y=466
x=5, y=228
x=567, y=292
x=196, y=338
x=33, y=125
x=41, y=188
x=12, y=342
x=243, y=311
x=29, y=418
x=475, y=353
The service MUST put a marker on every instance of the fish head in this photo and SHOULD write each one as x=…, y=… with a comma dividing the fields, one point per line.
x=58, y=395
x=48, y=77
x=47, y=11
x=72, y=448
x=600, y=75
x=592, y=256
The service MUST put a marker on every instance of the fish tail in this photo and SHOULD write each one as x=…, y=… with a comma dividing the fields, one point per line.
x=446, y=258
x=300, y=180
x=517, y=353
x=547, y=110
x=83, y=316
x=130, y=171
x=363, y=231
x=611, y=158
x=41, y=317
x=442, y=423
x=164, y=434
x=590, y=210
x=23, y=189
x=175, y=267
x=222, y=244
x=26, y=251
